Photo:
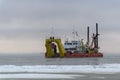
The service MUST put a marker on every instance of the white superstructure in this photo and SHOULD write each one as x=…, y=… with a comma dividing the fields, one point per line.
x=73, y=46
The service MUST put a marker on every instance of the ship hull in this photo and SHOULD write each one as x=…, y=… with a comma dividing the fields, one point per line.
x=83, y=55
x=78, y=55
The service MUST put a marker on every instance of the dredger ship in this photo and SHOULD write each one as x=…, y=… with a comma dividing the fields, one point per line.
x=73, y=48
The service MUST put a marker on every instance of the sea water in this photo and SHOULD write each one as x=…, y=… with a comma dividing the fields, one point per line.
x=35, y=66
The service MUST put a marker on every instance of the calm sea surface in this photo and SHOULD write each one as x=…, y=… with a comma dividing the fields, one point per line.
x=36, y=67
x=39, y=59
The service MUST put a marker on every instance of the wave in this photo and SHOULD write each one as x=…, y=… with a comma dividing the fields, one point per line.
x=103, y=68
x=36, y=76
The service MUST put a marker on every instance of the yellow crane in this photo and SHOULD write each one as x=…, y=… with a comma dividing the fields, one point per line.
x=49, y=50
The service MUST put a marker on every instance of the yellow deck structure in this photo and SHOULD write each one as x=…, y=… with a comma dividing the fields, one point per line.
x=49, y=51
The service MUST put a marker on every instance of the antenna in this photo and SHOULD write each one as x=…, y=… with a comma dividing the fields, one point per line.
x=52, y=31
x=73, y=32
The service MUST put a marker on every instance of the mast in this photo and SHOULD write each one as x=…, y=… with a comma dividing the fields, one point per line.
x=88, y=36
x=97, y=35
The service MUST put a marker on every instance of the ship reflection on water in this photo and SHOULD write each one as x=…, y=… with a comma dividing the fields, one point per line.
x=72, y=61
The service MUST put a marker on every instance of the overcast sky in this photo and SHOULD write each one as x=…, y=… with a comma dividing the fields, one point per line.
x=24, y=24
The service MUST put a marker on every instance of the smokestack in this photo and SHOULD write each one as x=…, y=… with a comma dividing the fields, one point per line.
x=88, y=35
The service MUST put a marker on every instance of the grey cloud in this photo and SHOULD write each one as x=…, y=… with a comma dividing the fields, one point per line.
x=32, y=9
x=33, y=17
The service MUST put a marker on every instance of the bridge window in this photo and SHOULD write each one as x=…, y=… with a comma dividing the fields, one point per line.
x=75, y=43
x=69, y=44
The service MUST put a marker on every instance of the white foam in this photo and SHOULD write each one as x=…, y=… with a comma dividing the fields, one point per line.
x=105, y=68
x=36, y=76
